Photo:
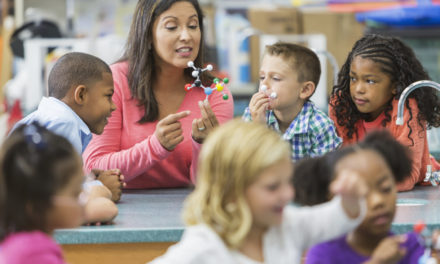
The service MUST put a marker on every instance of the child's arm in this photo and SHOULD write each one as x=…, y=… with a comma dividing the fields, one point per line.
x=325, y=138
x=113, y=180
x=99, y=208
x=310, y=225
x=419, y=149
x=352, y=189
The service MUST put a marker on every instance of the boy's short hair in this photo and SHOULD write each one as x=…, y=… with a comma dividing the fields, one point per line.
x=73, y=69
x=303, y=59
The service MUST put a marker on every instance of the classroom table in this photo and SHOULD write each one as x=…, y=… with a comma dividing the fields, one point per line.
x=149, y=222
x=436, y=154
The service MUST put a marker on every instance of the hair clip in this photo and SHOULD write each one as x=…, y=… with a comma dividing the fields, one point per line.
x=34, y=137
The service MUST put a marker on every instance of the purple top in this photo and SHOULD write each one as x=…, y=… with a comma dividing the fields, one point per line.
x=30, y=248
x=338, y=251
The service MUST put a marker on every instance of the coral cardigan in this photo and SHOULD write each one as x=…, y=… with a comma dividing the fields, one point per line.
x=134, y=148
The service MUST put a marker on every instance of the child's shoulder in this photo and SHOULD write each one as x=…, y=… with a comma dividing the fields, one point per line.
x=199, y=244
x=412, y=103
x=314, y=111
x=337, y=244
x=317, y=118
x=27, y=244
x=333, y=251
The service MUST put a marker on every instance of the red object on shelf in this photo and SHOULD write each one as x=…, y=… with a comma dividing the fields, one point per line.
x=15, y=114
x=419, y=226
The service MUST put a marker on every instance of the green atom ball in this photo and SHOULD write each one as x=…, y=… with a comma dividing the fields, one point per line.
x=216, y=80
x=225, y=80
x=225, y=97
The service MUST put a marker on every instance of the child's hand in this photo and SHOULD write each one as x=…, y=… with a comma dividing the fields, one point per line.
x=352, y=189
x=99, y=211
x=169, y=130
x=113, y=180
x=436, y=240
x=202, y=126
x=258, y=105
x=389, y=251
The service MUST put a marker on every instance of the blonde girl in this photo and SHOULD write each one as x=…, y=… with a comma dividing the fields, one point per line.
x=239, y=211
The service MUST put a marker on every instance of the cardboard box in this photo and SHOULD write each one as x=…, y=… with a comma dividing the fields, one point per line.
x=341, y=31
x=276, y=20
x=271, y=21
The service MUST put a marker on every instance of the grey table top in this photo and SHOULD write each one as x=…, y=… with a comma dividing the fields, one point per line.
x=154, y=216
x=144, y=216
x=436, y=154
x=422, y=203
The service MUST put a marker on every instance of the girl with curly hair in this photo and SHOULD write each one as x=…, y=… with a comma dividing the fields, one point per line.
x=365, y=98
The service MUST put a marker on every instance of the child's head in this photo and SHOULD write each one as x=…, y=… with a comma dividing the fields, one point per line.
x=292, y=71
x=243, y=181
x=85, y=83
x=376, y=71
x=40, y=179
x=312, y=180
x=379, y=159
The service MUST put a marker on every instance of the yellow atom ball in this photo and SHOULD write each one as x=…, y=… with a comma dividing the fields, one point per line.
x=219, y=87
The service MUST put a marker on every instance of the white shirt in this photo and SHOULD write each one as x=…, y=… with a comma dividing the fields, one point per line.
x=59, y=118
x=301, y=228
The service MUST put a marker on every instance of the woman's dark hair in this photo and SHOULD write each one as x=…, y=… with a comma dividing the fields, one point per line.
x=142, y=67
x=398, y=61
x=312, y=176
x=34, y=164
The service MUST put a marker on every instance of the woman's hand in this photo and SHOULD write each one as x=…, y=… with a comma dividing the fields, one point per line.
x=202, y=126
x=258, y=105
x=169, y=130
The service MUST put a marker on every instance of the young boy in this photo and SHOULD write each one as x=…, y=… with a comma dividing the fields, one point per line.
x=289, y=73
x=79, y=103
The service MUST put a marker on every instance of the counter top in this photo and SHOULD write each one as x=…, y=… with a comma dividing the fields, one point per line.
x=154, y=216
x=436, y=154
x=422, y=203
x=144, y=216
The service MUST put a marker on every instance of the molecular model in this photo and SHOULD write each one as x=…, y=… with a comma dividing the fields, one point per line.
x=273, y=95
x=432, y=176
x=217, y=85
x=425, y=240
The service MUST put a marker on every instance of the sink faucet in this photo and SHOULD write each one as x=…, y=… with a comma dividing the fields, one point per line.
x=433, y=177
x=407, y=91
